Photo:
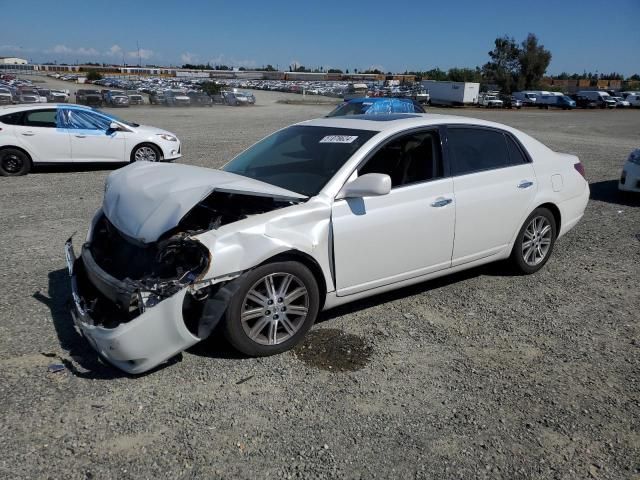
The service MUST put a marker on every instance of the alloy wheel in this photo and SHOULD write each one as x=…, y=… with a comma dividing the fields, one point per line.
x=274, y=308
x=536, y=241
x=146, y=153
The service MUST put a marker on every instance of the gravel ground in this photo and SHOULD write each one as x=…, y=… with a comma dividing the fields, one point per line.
x=477, y=375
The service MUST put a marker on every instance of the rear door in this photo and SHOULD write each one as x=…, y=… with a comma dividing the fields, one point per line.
x=91, y=139
x=495, y=186
x=42, y=134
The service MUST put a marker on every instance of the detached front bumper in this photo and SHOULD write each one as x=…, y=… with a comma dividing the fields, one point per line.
x=136, y=345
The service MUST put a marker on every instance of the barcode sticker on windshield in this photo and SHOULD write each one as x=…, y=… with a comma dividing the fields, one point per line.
x=339, y=139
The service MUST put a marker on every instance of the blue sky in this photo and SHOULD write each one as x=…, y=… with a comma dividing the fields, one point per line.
x=581, y=34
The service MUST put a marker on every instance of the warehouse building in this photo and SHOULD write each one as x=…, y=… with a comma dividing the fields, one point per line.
x=12, y=61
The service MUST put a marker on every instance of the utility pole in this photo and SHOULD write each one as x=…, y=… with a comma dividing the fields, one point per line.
x=139, y=59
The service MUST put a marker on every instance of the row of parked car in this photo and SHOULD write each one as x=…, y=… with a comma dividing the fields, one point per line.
x=14, y=91
x=581, y=99
x=170, y=97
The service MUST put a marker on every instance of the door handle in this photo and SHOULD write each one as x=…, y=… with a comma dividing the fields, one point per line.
x=28, y=134
x=525, y=184
x=441, y=202
x=81, y=136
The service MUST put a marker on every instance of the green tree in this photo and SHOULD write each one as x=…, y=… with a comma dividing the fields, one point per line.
x=93, y=75
x=504, y=67
x=334, y=70
x=211, y=88
x=534, y=60
x=435, y=74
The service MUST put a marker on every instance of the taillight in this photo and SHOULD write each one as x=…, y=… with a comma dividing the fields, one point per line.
x=580, y=168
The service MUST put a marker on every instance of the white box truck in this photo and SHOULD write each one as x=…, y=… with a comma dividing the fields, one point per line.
x=452, y=93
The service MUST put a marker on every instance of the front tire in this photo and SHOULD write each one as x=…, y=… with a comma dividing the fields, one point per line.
x=146, y=152
x=14, y=162
x=273, y=309
x=535, y=242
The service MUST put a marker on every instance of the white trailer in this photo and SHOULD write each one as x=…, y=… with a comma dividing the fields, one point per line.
x=452, y=93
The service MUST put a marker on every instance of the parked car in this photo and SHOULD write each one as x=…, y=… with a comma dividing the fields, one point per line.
x=176, y=98
x=28, y=95
x=556, y=101
x=135, y=98
x=584, y=102
x=199, y=99
x=156, y=98
x=116, y=98
x=630, y=177
x=491, y=101
x=601, y=99
x=236, y=97
x=316, y=215
x=509, y=101
x=621, y=102
x=89, y=97
x=75, y=134
x=6, y=98
x=378, y=105
x=633, y=98
x=58, y=96
x=44, y=94
x=527, y=98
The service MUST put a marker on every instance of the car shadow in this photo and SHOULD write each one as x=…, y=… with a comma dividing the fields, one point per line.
x=216, y=345
x=607, y=191
x=77, y=167
x=58, y=300
x=495, y=269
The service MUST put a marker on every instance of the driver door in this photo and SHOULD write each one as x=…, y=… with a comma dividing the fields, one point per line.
x=91, y=139
x=381, y=240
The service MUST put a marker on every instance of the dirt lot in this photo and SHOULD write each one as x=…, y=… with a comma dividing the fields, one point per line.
x=478, y=375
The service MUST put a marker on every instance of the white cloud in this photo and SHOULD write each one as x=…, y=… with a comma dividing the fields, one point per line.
x=188, y=57
x=65, y=50
x=144, y=54
x=114, y=51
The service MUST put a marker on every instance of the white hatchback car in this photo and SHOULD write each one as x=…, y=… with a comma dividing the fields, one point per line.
x=55, y=134
x=316, y=215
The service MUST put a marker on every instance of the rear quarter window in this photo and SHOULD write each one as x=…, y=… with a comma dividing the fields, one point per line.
x=12, y=119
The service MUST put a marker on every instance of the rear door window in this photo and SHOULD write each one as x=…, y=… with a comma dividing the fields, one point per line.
x=41, y=118
x=476, y=149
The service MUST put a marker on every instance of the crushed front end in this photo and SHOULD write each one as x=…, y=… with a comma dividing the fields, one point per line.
x=134, y=302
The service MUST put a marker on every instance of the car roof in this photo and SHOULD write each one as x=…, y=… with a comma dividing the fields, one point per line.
x=37, y=106
x=398, y=121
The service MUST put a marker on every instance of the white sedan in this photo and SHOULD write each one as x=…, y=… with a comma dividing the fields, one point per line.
x=56, y=134
x=316, y=215
x=630, y=177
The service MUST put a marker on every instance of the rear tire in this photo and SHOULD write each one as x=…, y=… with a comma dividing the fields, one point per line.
x=273, y=309
x=14, y=162
x=535, y=242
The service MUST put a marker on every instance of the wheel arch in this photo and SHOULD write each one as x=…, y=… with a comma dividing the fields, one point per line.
x=15, y=147
x=309, y=262
x=145, y=142
x=555, y=211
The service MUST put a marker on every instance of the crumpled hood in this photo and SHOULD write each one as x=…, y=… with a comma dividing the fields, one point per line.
x=144, y=200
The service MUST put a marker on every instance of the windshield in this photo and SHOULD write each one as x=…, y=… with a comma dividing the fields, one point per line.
x=117, y=119
x=300, y=158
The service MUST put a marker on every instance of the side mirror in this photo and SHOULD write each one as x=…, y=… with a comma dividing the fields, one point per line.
x=113, y=126
x=368, y=185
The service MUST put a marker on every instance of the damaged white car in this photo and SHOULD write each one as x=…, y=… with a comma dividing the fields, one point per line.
x=316, y=215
